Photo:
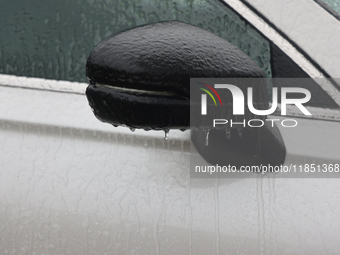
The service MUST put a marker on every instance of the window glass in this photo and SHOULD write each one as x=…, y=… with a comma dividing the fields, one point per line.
x=334, y=4
x=52, y=39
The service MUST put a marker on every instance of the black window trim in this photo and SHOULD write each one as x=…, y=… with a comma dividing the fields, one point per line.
x=328, y=9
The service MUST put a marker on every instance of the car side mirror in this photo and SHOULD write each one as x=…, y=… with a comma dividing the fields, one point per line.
x=140, y=78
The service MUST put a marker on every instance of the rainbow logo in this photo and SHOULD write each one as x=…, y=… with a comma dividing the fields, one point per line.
x=209, y=93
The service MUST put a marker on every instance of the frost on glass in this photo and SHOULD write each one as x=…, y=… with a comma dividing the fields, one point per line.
x=334, y=4
x=52, y=39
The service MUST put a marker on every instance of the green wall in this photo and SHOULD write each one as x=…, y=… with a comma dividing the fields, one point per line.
x=52, y=39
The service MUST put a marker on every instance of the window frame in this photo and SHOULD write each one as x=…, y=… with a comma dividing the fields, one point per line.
x=283, y=42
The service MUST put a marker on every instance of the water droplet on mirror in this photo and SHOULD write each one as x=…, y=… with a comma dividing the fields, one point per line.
x=206, y=143
x=166, y=134
x=132, y=129
x=228, y=133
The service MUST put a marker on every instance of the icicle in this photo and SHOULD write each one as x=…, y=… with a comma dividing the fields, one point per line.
x=166, y=134
x=207, y=137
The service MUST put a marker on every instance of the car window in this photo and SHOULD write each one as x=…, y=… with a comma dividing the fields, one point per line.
x=332, y=6
x=53, y=40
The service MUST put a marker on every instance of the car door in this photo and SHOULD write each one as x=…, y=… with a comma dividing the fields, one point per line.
x=73, y=185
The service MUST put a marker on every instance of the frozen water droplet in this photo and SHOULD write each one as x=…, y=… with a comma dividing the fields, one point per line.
x=240, y=132
x=228, y=133
x=206, y=143
x=132, y=129
x=166, y=134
